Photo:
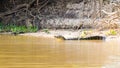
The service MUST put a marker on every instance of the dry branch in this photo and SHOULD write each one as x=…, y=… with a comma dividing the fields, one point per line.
x=109, y=13
x=14, y=10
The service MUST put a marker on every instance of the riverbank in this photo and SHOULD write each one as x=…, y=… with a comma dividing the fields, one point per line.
x=109, y=33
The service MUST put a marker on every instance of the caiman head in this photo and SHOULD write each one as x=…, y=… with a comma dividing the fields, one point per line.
x=60, y=37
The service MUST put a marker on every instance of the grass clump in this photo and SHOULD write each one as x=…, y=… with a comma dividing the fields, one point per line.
x=111, y=32
x=46, y=31
x=17, y=29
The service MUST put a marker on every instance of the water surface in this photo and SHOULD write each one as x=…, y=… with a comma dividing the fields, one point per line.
x=33, y=52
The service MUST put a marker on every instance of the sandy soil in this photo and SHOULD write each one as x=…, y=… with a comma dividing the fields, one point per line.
x=74, y=33
x=52, y=33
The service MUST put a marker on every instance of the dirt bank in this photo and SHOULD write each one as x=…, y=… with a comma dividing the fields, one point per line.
x=109, y=34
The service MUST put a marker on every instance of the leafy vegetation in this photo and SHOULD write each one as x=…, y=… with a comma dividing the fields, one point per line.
x=17, y=29
x=111, y=32
x=85, y=33
x=46, y=31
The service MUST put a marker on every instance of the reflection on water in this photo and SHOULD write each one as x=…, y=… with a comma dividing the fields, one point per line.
x=32, y=52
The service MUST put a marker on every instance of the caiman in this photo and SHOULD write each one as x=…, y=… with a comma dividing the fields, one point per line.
x=85, y=38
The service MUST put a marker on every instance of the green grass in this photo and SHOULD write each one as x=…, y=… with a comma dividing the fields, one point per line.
x=46, y=31
x=17, y=29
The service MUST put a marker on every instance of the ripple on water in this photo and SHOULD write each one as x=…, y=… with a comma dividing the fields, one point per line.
x=113, y=62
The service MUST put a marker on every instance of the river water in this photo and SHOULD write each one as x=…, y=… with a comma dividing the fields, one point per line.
x=33, y=52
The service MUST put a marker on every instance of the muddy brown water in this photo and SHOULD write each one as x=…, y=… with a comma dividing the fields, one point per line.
x=33, y=52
